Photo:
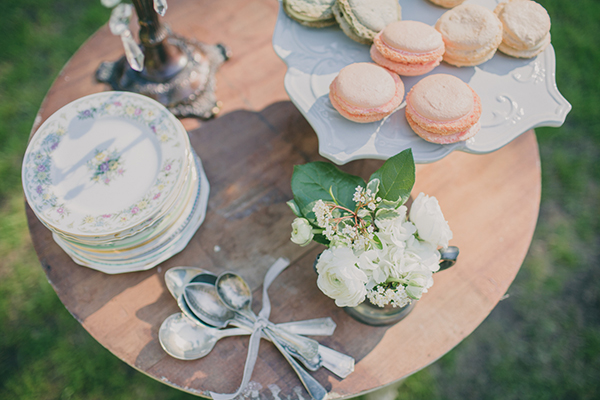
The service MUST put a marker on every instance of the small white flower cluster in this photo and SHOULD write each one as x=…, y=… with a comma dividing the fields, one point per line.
x=365, y=198
x=381, y=296
x=384, y=254
x=343, y=227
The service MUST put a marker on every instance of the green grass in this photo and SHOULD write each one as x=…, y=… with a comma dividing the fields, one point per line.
x=543, y=342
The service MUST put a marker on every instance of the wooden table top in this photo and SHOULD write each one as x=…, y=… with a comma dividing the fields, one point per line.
x=248, y=152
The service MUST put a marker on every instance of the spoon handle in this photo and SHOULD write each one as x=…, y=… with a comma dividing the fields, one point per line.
x=307, y=348
x=339, y=363
x=311, y=327
x=314, y=388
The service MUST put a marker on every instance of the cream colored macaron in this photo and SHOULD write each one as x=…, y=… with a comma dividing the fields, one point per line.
x=443, y=109
x=366, y=92
x=447, y=3
x=526, y=28
x=471, y=34
x=409, y=48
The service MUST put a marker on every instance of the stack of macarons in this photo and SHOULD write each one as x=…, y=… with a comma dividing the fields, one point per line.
x=312, y=13
x=408, y=48
x=443, y=109
x=361, y=20
x=471, y=34
x=526, y=28
x=366, y=92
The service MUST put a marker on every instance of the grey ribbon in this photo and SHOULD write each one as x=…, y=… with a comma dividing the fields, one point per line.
x=261, y=322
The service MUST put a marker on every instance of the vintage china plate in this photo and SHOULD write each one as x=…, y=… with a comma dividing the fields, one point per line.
x=105, y=164
x=150, y=237
x=147, y=226
x=175, y=240
x=516, y=94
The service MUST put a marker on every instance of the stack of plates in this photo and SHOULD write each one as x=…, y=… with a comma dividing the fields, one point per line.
x=114, y=177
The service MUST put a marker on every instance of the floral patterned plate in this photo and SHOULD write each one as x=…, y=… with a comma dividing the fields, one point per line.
x=105, y=164
x=146, y=227
x=175, y=240
x=516, y=94
x=149, y=235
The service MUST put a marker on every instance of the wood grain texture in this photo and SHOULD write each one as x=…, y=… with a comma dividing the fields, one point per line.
x=491, y=203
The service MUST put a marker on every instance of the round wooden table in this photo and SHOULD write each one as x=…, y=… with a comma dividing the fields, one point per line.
x=491, y=203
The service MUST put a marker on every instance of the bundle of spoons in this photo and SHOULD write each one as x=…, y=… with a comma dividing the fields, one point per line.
x=210, y=304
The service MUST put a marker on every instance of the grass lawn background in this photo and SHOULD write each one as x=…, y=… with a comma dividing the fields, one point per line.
x=543, y=342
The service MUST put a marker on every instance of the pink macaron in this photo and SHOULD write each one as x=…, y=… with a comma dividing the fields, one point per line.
x=366, y=92
x=443, y=109
x=409, y=48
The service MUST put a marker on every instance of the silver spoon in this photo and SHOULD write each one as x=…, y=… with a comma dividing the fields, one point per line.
x=338, y=363
x=187, y=338
x=177, y=277
x=204, y=302
x=184, y=339
x=235, y=293
x=315, y=327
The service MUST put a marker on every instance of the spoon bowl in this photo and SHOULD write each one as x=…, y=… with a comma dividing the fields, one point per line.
x=203, y=301
x=177, y=277
x=234, y=292
x=184, y=339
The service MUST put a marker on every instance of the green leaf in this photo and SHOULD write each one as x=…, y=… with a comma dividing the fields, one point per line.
x=373, y=185
x=321, y=239
x=397, y=177
x=386, y=214
x=313, y=181
x=389, y=205
x=294, y=207
x=377, y=242
x=363, y=213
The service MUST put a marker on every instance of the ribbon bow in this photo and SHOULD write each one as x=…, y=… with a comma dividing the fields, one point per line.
x=261, y=323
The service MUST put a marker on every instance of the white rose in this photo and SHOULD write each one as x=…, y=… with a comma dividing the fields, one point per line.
x=340, y=278
x=371, y=264
x=427, y=216
x=302, y=232
x=395, y=231
x=386, y=263
x=423, y=254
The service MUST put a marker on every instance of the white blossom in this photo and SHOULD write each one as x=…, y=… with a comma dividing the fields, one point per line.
x=340, y=278
x=302, y=233
x=427, y=216
x=358, y=192
x=323, y=213
x=396, y=297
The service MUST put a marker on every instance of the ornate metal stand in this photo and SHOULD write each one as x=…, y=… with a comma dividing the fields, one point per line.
x=178, y=72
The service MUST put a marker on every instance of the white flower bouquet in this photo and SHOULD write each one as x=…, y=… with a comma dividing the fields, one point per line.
x=377, y=248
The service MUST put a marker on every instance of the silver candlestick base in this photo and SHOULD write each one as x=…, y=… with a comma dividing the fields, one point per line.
x=189, y=93
x=177, y=72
